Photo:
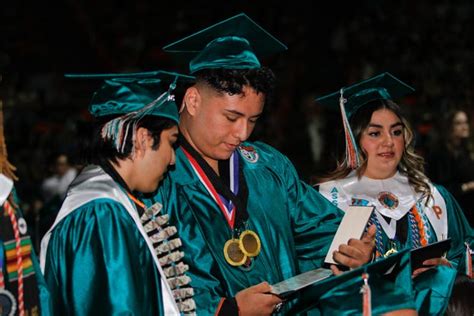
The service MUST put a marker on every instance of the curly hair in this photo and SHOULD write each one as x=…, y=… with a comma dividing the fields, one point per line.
x=232, y=81
x=411, y=164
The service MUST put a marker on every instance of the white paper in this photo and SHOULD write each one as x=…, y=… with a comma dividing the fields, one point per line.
x=352, y=226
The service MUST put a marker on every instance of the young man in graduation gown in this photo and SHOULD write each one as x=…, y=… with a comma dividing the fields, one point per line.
x=101, y=255
x=243, y=214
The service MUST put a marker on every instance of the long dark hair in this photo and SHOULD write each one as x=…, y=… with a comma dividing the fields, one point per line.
x=463, y=148
x=411, y=164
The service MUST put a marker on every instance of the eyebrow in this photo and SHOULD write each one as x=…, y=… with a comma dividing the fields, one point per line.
x=242, y=114
x=391, y=126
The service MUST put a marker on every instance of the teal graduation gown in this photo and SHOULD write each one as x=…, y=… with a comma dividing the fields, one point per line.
x=292, y=220
x=432, y=288
x=98, y=263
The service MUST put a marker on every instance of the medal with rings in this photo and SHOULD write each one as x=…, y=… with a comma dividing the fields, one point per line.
x=249, y=243
x=242, y=246
x=233, y=253
x=238, y=251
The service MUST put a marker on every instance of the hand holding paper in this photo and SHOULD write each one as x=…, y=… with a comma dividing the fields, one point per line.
x=357, y=252
x=346, y=248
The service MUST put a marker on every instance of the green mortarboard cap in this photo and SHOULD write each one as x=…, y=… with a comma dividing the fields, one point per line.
x=390, y=285
x=166, y=76
x=130, y=97
x=231, y=44
x=123, y=93
x=382, y=87
x=121, y=96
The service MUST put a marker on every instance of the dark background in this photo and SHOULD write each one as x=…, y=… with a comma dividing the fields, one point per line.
x=428, y=44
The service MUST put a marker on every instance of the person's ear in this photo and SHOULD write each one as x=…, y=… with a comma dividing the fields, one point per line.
x=192, y=100
x=141, y=141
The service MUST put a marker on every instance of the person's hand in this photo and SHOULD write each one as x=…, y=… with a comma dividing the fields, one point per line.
x=431, y=263
x=256, y=300
x=357, y=251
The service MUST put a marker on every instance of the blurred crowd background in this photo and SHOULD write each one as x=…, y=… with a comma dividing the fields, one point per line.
x=427, y=44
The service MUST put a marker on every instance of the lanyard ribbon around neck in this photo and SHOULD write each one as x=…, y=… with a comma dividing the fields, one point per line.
x=227, y=207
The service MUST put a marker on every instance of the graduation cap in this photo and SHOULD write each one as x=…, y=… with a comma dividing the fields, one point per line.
x=381, y=87
x=349, y=99
x=130, y=97
x=385, y=284
x=234, y=43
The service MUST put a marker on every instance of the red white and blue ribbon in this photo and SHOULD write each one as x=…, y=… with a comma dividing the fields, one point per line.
x=226, y=206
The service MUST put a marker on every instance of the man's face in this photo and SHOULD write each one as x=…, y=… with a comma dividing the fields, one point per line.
x=220, y=122
x=153, y=163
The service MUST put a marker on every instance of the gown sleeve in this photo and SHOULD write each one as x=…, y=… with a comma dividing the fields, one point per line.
x=97, y=263
x=458, y=229
x=314, y=219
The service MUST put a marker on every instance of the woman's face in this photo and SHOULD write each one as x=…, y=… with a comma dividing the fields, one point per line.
x=460, y=125
x=383, y=143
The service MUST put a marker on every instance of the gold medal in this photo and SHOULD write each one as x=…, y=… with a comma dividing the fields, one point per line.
x=249, y=243
x=233, y=254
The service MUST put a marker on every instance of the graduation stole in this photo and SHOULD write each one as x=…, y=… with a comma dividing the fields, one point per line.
x=231, y=200
x=19, y=257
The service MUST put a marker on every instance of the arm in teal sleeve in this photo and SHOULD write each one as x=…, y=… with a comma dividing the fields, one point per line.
x=98, y=263
x=314, y=219
x=458, y=229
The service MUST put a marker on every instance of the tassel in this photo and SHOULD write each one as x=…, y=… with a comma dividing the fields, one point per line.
x=366, y=296
x=469, y=261
x=352, y=157
x=119, y=128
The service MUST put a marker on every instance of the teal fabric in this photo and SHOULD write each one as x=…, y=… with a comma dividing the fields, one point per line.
x=340, y=295
x=458, y=229
x=384, y=86
x=229, y=52
x=366, y=96
x=98, y=263
x=433, y=288
x=292, y=220
x=124, y=95
x=43, y=291
x=233, y=43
